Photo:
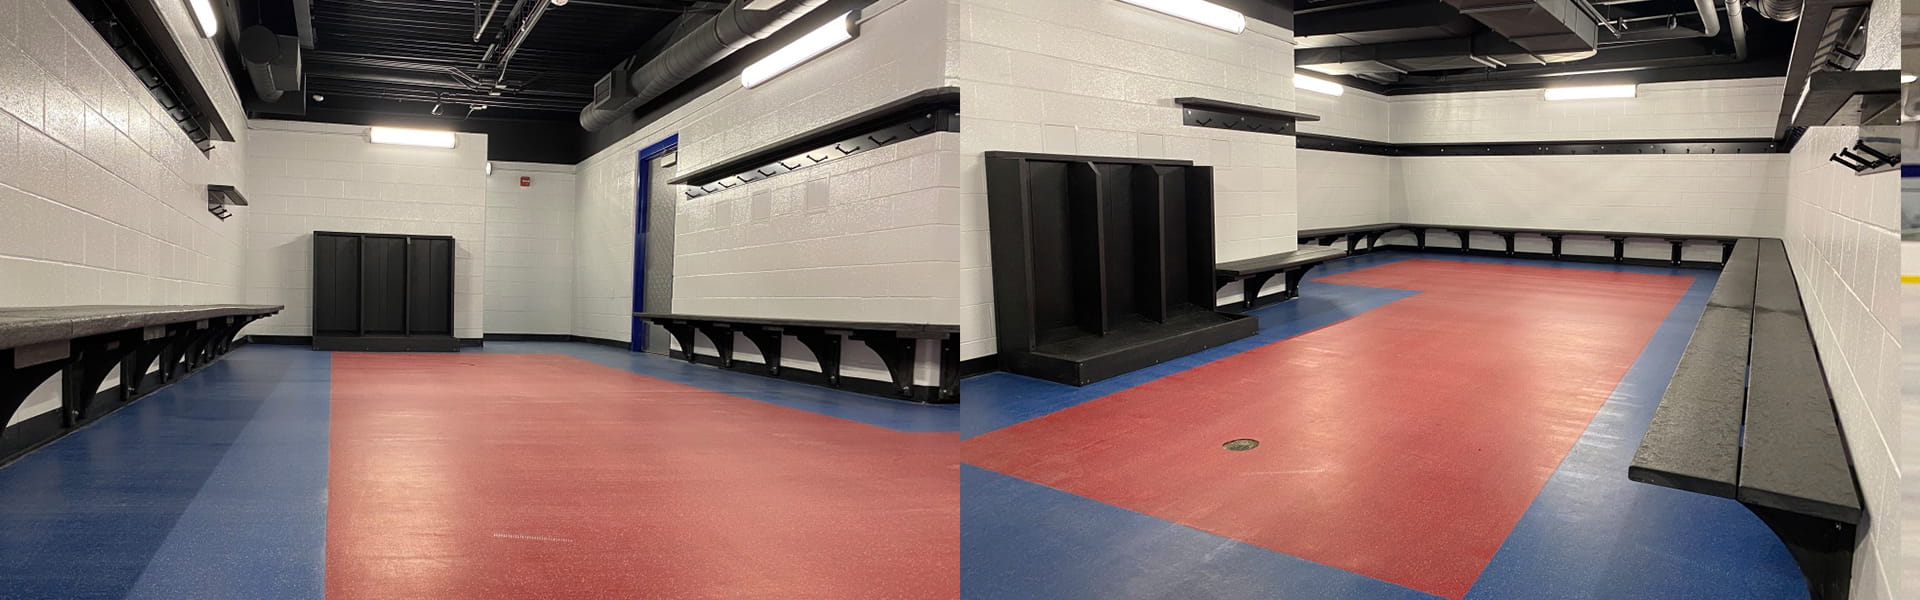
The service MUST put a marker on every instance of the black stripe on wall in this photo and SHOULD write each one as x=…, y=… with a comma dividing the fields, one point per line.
x=1331, y=143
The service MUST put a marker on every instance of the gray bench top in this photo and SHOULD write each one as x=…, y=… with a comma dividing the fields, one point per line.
x=1748, y=414
x=1306, y=255
x=1792, y=456
x=33, y=325
x=1693, y=442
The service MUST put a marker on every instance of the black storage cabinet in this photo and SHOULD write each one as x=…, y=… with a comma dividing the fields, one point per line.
x=383, y=292
x=1102, y=265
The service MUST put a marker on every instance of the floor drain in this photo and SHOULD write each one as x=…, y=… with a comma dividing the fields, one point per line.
x=1241, y=445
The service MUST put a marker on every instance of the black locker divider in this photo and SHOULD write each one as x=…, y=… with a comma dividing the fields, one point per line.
x=1102, y=265
x=383, y=292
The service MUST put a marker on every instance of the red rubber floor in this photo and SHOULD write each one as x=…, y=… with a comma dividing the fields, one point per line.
x=481, y=476
x=1402, y=444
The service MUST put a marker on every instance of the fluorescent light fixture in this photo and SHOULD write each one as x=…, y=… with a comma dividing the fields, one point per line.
x=411, y=137
x=1198, y=11
x=1313, y=84
x=204, y=16
x=1592, y=92
x=815, y=43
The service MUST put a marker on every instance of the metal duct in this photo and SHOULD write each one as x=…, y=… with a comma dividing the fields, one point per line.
x=1530, y=32
x=272, y=61
x=1485, y=50
x=1553, y=30
x=733, y=28
x=1778, y=10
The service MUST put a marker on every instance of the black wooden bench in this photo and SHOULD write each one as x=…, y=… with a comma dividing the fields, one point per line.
x=1371, y=234
x=83, y=344
x=895, y=343
x=1748, y=416
x=1255, y=272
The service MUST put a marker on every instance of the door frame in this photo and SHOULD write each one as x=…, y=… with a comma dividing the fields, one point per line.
x=637, y=340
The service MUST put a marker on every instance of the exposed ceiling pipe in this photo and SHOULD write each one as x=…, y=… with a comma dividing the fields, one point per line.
x=520, y=37
x=512, y=14
x=1709, y=26
x=733, y=28
x=1737, y=23
x=477, y=31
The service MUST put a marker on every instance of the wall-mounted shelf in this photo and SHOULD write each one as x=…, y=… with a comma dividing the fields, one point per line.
x=1220, y=114
x=922, y=113
x=1850, y=98
x=225, y=195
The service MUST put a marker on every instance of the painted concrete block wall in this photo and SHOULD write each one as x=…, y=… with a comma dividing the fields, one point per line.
x=1698, y=194
x=307, y=177
x=1097, y=77
x=872, y=237
x=1739, y=108
x=529, y=248
x=1842, y=237
x=102, y=197
x=1339, y=188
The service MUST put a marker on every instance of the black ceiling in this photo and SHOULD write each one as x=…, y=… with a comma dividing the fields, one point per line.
x=1625, y=52
x=406, y=56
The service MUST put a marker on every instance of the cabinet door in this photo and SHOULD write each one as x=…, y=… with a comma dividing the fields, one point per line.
x=383, y=281
x=430, y=286
x=336, y=284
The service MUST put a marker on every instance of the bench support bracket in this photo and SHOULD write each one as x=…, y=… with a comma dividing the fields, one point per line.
x=722, y=338
x=825, y=347
x=897, y=353
x=1822, y=547
x=768, y=342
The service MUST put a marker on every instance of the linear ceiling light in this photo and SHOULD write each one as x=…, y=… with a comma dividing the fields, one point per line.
x=411, y=137
x=815, y=43
x=1198, y=11
x=1592, y=92
x=1323, y=86
x=204, y=16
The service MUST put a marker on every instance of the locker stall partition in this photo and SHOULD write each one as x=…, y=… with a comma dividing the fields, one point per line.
x=1102, y=265
x=383, y=292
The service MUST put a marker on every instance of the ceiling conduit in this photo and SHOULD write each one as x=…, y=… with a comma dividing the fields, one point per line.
x=733, y=28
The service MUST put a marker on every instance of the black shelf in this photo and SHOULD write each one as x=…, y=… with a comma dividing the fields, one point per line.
x=1221, y=114
x=1102, y=265
x=921, y=113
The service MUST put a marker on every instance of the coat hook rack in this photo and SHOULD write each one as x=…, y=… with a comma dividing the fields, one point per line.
x=1865, y=159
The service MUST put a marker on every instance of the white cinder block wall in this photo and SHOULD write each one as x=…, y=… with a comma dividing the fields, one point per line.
x=529, y=248
x=1097, y=77
x=102, y=197
x=306, y=177
x=1699, y=194
x=873, y=237
x=1843, y=239
x=1342, y=188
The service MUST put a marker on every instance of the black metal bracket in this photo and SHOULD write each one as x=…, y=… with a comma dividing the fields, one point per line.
x=767, y=339
x=825, y=346
x=92, y=359
x=1867, y=160
x=722, y=338
x=898, y=354
x=1823, y=549
x=21, y=372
